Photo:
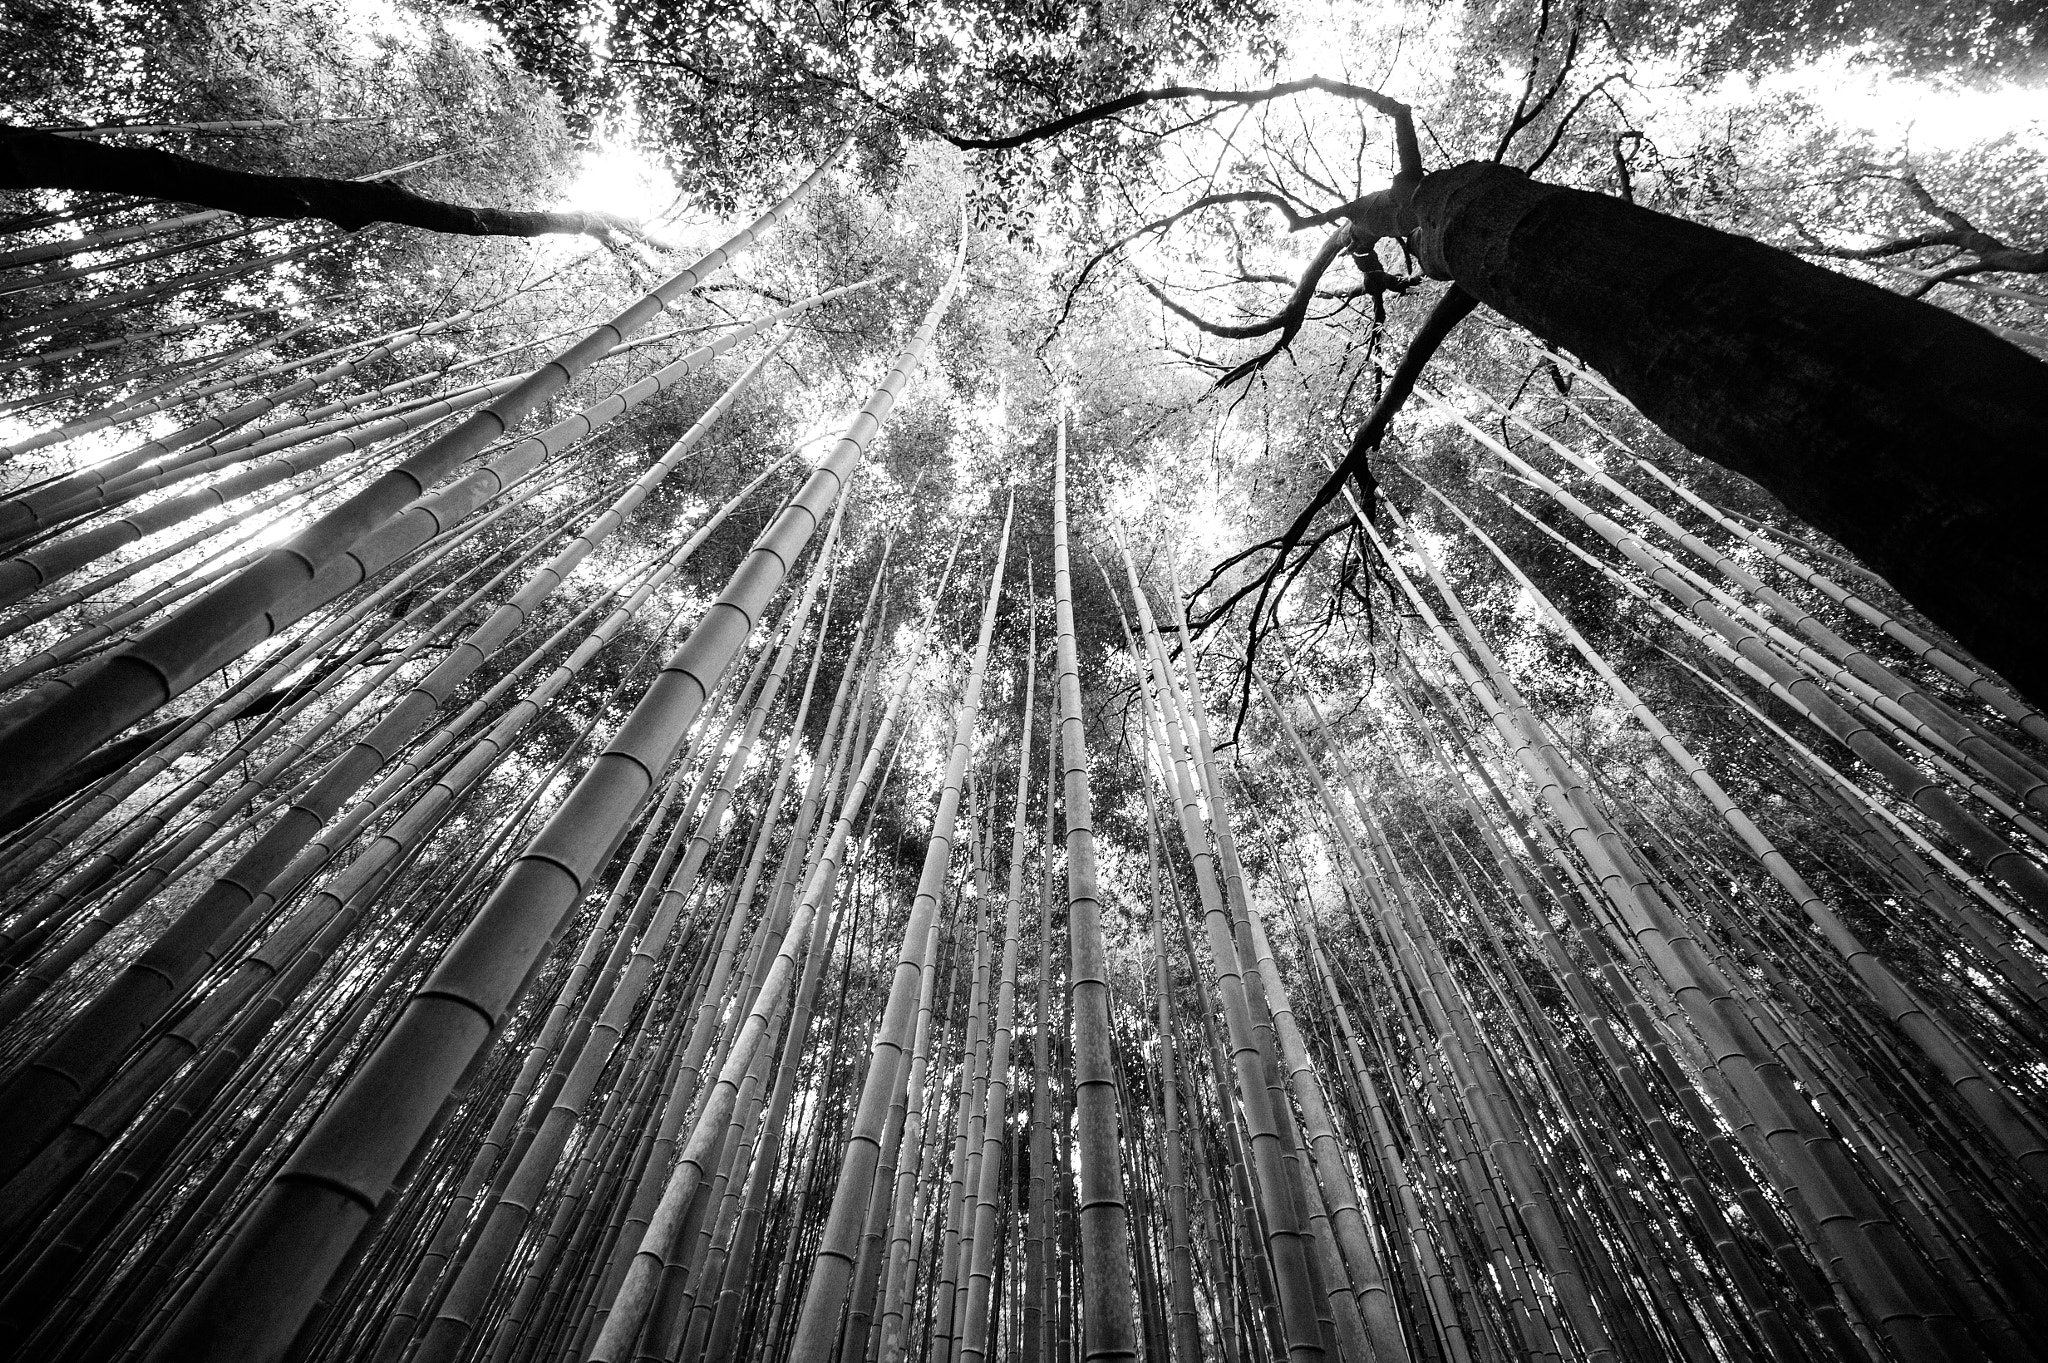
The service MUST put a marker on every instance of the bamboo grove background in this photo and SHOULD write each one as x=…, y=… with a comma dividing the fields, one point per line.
x=554, y=823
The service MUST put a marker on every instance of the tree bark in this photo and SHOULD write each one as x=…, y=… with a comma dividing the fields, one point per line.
x=1911, y=435
x=40, y=160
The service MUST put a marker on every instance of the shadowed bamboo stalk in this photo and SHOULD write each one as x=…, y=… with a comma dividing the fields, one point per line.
x=267, y=1009
x=552, y=1259
x=1245, y=1237
x=1411, y=1217
x=66, y=354
x=1366, y=1278
x=1450, y=1014
x=584, y=1061
x=74, y=494
x=65, y=274
x=331, y=1178
x=957, y=1244
x=510, y=465
x=1964, y=1072
x=224, y=556
x=30, y=572
x=1187, y=1338
x=2015, y=868
x=433, y=554
x=635, y=1297
x=831, y=757
x=44, y=504
x=1040, y=1287
x=899, y=1273
x=52, y=560
x=253, y=440
x=210, y=441
x=1579, y=900
x=2020, y=922
x=142, y=1290
x=818, y=1322
x=143, y=675
x=2016, y=771
x=1943, y=655
x=67, y=316
x=1109, y=1328
x=1629, y=1080
x=398, y=1329
x=962, y=1180
x=975, y=1346
x=719, y=1341
x=254, y=518
x=511, y=473
x=191, y=735
x=101, y=1033
x=2018, y=872
x=1908, y=1307
x=428, y=804
x=1287, y=1242
x=185, y=853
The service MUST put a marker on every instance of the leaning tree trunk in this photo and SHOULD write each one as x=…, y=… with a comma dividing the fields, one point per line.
x=1909, y=434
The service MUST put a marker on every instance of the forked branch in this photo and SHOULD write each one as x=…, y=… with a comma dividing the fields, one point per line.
x=1988, y=253
x=1288, y=321
x=1384, y=213
x=1296, y=221
x=1294, y=547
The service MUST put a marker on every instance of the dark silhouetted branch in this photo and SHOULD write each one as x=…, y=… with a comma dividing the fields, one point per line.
x=1294, y=547
x=1991, y=254
x=1564, y=124
x=1095, y=113
x=38, y=160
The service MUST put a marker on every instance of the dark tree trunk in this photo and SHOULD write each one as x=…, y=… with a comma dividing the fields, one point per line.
x=1916, y=438
x=40, y=160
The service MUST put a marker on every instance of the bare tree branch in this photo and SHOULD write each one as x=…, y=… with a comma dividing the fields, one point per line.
x=1110, y=108
x=1900, y=246
x=1628, y=189
x=1287, y=321
x=1563, y=124
x=38, y=160
x=1991, y=254
x=1525, y=112
x=1519, y=119
x=1295, y=221
x=1287, y=564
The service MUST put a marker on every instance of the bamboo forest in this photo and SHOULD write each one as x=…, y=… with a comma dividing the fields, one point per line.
x=981, y=682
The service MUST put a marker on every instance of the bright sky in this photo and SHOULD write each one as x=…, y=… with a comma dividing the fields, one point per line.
x=617, y=178
x=1925, y=115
